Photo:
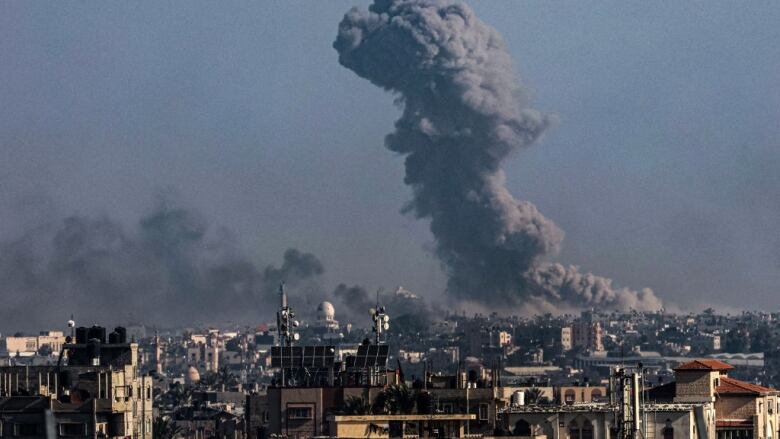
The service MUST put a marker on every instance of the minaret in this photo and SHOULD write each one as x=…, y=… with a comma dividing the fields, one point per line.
x=157, y=353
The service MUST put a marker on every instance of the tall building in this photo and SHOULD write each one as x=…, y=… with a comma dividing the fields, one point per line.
x=95, y=391
x=566, y=343
x=586, y=335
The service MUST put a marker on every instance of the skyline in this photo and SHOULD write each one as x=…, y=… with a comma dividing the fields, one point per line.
x=285, y=149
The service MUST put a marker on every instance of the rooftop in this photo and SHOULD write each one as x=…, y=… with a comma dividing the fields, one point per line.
x=597, y=407
x=737, y=387
x=704, y=364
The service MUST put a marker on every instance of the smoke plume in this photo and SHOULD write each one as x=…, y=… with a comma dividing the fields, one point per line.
x=171, y=268
x=463, y=114
x=401, y=303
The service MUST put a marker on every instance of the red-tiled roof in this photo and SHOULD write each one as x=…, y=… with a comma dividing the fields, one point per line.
x=732, y=386
x=705, y=364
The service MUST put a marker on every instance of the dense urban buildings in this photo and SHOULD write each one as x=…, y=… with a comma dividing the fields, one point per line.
x=592, y=375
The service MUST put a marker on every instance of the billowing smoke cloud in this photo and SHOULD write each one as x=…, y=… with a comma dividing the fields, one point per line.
x=401, y=303
x=463, y=114
x=170, y=269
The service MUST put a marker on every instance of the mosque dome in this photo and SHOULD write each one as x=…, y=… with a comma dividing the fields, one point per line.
x=193, y=376
x=326, y=312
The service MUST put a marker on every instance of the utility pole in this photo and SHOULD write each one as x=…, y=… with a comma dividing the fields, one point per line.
x=380, y=318
x=285, y=327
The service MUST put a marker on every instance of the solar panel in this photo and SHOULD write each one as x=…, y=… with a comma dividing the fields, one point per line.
x=293, y=357
x=369, y=356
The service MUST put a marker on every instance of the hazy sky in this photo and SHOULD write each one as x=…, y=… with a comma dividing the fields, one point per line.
x=662, y=170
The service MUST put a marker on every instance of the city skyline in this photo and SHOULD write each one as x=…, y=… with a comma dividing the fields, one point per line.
x=660, y=168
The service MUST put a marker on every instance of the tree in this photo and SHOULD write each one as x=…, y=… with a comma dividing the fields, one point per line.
x=736, y=341
x=533, y=396
x=165, y=428
x=400, y=400
x=395, y=400
x=356, y=405
x=761, y=339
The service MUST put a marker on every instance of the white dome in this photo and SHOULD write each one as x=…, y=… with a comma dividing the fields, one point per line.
x=193, y=376
x=326, y=311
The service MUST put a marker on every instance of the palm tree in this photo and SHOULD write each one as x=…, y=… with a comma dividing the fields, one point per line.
x=181, y=395
x=226, y=378
x=165, y=428
x=356, y=405
x=399, y=400
x=533, y=396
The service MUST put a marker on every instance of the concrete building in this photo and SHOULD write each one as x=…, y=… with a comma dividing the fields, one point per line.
x=30, y=345
x=385, y=426
x=629, y=411
x=95, y=391
x=586, y=335
x=598, y=421
x=570, y=395
x=504, y=339
x=743, y=410
x=566, y=340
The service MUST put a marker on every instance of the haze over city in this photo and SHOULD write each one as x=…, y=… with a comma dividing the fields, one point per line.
x=214, y=138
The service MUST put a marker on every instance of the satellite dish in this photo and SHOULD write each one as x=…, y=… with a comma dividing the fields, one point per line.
x=296, y=323
x=296, y=336
x=386, y=318
x=372, y=312
x=387, y=326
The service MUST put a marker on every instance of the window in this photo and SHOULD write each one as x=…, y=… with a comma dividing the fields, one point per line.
x=446, y=407
x=595, y=395
x=299, y=413
x=569, y=396
x=483, y=412
x=26, y=430
x=73, y=429
x=668, y=431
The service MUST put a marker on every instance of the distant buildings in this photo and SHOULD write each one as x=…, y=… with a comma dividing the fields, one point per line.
x=50, y=341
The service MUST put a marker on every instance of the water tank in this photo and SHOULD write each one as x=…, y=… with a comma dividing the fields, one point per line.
x=122, y=334
x=518, y=398
x=81, y=335
x=97, y=332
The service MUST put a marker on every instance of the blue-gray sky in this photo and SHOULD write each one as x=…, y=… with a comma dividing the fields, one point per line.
x=662, y=169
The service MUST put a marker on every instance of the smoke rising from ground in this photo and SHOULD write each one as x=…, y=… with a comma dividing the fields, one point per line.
x=171, y=268
x=463, y=114
x=401, y=303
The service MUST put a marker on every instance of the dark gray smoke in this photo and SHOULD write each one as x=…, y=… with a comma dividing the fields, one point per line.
x=463, y=114
x=170, y=269
x=357, y=300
